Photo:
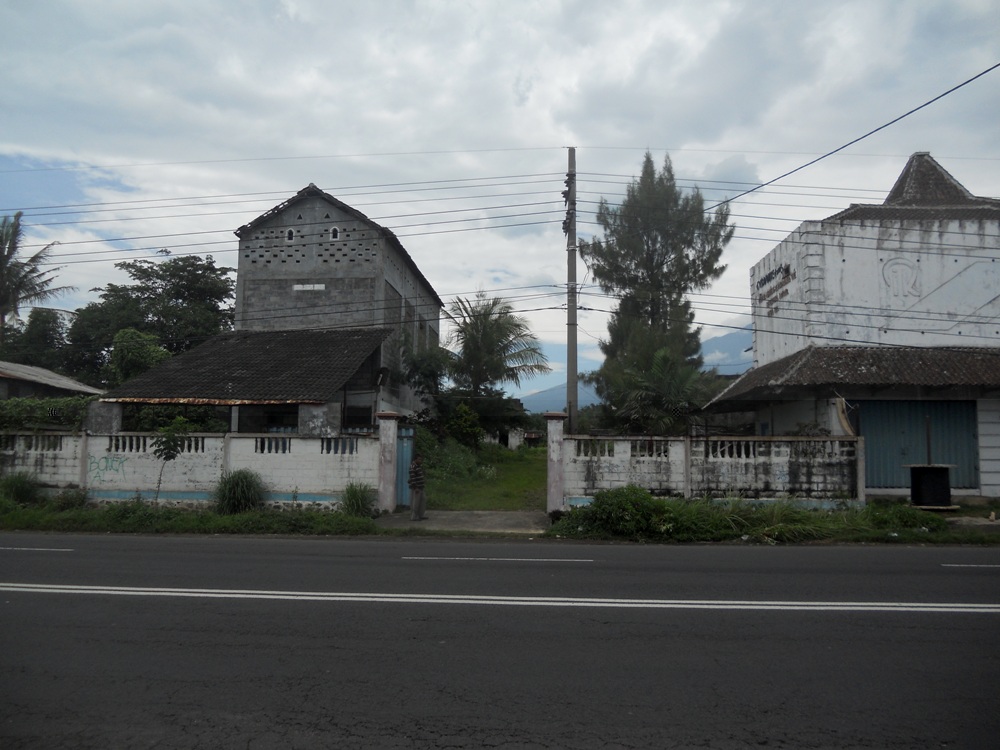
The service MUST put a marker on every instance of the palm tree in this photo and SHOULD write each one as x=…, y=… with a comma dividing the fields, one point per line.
x=660, y=400
x=22, y=280
x=492, y=345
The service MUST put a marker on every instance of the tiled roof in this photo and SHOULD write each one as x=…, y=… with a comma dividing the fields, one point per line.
x=14, y=371
x=257, y=367
x=311, y=191
x=924, y=191
x=817, y=367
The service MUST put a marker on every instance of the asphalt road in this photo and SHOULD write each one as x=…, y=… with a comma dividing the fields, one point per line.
x=191, y=642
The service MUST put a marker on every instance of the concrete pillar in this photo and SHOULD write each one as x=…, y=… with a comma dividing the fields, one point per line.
x=554, y=489
x=388, y=429
x=103, y=418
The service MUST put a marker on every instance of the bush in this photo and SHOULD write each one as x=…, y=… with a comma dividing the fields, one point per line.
x=628, y=511
x=359, y=500
x=69, y=500
x=239, y=491
x=22, y=488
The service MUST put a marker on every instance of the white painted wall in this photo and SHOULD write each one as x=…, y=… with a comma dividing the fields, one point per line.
x=926, y=283
x=121, y=466
x=988, y=416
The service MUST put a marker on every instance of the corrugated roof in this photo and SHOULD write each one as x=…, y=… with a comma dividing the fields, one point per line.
x=869, y=366
x=311, y=191
x=257, y=367
x=924, y=191
x=40, y=375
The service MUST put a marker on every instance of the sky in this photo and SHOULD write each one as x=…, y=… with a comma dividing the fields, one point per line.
x=129, y=127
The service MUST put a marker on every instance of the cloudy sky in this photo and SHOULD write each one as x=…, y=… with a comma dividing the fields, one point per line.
x=132, y=126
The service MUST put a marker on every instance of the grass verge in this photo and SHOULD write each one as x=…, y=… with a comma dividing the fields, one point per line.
x=501, y=479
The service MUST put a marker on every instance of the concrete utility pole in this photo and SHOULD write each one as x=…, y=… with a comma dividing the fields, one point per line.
x=569, y=227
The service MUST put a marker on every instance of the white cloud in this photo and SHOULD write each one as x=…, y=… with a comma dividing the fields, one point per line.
x=264, y=97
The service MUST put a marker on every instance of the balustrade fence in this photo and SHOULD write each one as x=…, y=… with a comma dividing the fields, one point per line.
x=821, y=470
x=122, y=466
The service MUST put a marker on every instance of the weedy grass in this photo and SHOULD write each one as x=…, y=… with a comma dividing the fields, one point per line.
x=22, y=488
x=498, y=479
x=631, y=513
x=359, y=500
x=239, y=491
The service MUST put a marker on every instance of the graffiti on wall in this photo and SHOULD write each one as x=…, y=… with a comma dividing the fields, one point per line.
x=106, y=468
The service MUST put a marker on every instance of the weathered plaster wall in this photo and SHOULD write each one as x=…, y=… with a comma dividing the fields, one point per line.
x=988, y=417
x=820, y=469
x=912, y=283
x=121, y=466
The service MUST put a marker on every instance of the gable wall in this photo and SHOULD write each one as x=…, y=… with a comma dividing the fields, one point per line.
x=312, y=281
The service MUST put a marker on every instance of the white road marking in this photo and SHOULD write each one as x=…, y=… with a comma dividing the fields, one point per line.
x=515, y=601
x=960, y=565
x=36, y=549
x=505, y=559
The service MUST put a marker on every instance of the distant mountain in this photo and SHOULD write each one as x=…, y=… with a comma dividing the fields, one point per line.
x=727, y=354
x=554, y=399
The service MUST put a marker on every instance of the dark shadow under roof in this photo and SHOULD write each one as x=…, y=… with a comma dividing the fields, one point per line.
x=824, y=369
x=257, y=367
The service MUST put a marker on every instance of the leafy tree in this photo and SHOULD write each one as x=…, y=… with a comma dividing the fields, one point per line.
x=182, y=301
x=132, y=353
x=39, y=343
x=168, y=445
x=659, y=245
x=23, y=280
x=493, y=346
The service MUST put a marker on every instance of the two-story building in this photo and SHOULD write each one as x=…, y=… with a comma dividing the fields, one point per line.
x=326, y=302
x=884, y=321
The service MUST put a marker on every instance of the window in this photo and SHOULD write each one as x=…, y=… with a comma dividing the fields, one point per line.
x=334, y=233
x=289, y=235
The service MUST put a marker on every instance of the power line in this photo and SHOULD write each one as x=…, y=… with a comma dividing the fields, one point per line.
x=860, y=138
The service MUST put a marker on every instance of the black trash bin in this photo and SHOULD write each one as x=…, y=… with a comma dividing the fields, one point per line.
x=930, y=484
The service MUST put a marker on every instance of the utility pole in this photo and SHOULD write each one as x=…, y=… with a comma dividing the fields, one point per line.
x=569, y=228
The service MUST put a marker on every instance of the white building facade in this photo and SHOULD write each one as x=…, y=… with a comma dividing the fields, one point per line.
x=884, y=321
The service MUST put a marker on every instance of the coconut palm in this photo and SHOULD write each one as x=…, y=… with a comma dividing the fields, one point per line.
x=491, y=345
x=22, y=280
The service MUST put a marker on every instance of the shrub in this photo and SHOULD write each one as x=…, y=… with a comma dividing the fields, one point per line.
x=21, y=487
x=239, y=491
x=628, y=511
x=69, y=500
x=359, y=500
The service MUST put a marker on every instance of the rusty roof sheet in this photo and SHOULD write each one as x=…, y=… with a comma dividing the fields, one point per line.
x=817, y=367
x=257, y=367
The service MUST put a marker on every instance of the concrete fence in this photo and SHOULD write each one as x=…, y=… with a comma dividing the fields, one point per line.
x=817, y=470
x=121, y=466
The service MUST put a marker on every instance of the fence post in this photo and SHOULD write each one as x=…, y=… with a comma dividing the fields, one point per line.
x=388, y=434
x=554, y=488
